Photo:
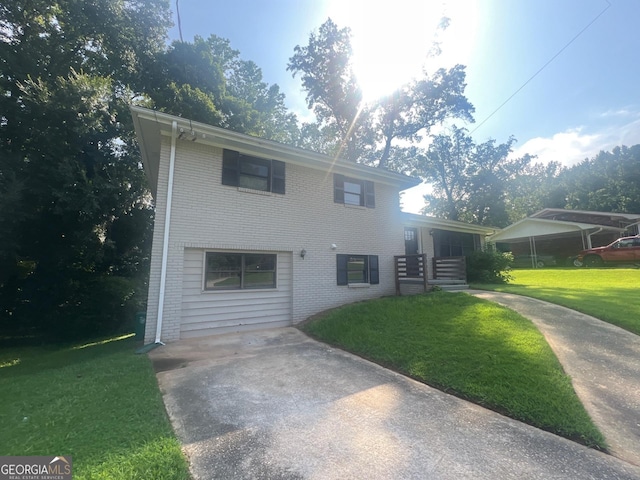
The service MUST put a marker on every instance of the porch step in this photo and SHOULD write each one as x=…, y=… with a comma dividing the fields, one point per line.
x=453, y=287
x=450, y=285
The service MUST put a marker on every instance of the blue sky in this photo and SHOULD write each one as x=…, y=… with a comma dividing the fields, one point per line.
x=586, y=100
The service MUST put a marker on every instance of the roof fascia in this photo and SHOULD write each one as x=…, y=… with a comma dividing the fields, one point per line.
x=250, y=145
x=451, y=225
x=575, y=226
x=628, y=216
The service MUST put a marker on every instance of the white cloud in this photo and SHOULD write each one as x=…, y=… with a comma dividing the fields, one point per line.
x=568, y=147
x=574, y=145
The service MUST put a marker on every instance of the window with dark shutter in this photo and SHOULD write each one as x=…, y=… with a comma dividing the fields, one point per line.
x=277, y=176
x=239, y=170
x=369, y=195
x=350, y=191
x=374, y=275
x=357, y=269
x=230, y=167
x=338, y=188
x=341, y=260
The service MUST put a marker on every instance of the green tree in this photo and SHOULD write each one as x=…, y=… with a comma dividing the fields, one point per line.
x=74, y=253
x=333, y=93
x=609, y=182
x=207, y=81
x=470, y=181
x=537, y=186
x=411, y=111
x=370, y=133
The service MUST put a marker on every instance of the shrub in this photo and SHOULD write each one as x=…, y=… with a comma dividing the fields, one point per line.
x=489, y=266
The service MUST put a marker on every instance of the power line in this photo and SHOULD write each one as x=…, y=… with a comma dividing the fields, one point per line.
x=543, y=67
x=179, y=21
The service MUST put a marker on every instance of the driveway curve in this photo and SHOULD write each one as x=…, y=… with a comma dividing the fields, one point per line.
x=602, y=360
x=276, y=404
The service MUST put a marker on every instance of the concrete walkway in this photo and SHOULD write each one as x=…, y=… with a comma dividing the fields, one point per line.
x=602, y=360
x=277, y=405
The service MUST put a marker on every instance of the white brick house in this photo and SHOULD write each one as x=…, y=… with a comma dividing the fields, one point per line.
x=250, y=233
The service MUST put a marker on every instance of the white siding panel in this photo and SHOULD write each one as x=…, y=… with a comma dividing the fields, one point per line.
x=216, y=312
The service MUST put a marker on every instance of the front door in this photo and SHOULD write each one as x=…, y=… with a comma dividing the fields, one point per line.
x=411, y=248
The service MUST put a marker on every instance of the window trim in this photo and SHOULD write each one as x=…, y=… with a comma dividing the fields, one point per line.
x=241, y=288
x=367, y=188
x=372, y=269
x=232, y=171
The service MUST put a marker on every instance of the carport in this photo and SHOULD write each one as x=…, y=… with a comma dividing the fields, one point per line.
x=553, y=226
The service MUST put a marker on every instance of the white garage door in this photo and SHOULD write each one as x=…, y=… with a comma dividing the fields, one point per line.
x=224, y=311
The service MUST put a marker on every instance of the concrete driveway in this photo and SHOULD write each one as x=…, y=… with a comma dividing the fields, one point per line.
x=602, y=360
x=275, y=404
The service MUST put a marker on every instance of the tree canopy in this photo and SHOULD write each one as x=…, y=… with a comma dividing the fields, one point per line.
x=366, y=132
x=75, y=210
x=73, y=203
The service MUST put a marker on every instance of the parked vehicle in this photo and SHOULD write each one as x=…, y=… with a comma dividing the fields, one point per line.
x=534, y=261
x=623, y=250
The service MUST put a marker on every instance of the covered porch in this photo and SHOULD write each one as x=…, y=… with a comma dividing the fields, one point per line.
x=435, y=253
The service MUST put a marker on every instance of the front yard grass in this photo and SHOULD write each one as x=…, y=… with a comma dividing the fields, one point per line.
x=98, y=402
x=610, y=294
x=466, y=346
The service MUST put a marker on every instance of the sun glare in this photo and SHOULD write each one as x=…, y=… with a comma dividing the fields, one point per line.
x=392, y=40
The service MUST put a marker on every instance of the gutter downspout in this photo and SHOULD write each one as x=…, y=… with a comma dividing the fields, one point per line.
x=167, y=224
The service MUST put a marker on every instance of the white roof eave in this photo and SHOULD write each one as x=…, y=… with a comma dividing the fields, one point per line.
x=151, y=125
x=538, y=227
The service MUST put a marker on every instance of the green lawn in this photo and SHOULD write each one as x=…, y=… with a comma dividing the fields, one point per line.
x=610, y=294
x=466, y=346
x=97, y=402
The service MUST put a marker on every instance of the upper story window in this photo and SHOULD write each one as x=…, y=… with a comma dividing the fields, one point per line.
x=351, y=191
x=240, y=170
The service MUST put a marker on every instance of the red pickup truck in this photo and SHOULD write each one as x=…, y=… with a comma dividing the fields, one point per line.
x=623, y=250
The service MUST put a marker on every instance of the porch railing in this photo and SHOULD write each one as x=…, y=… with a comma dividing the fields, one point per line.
x=449, y=268
x=411, y=269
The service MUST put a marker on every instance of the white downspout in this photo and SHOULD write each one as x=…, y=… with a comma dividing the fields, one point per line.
x=167, y=224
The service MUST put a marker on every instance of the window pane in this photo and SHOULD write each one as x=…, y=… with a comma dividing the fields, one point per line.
x=255, y=183
x=223, y=270
x=259, y=271
x=352, y=193
x=254, y=168
x=221, y=280
x=357, y=269
x=350, y=187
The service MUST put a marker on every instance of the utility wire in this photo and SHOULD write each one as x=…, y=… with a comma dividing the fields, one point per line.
x=179, y=22
x=543, y=67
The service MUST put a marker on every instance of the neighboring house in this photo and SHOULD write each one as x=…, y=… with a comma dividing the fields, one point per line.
x=250, y=233
x=563, y=233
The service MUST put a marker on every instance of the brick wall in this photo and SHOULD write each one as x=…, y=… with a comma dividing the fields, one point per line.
x=209, y=215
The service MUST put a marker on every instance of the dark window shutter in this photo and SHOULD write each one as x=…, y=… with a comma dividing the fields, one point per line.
x=369, y=195
x=374, y=275
x=341, y=260
x=230, y=167
x=338, y=188
x=277, y=176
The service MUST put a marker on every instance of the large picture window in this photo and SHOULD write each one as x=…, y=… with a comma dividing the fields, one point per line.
x=357, y=269
x=351, y=191
x=234, y=271
x=241, y=170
